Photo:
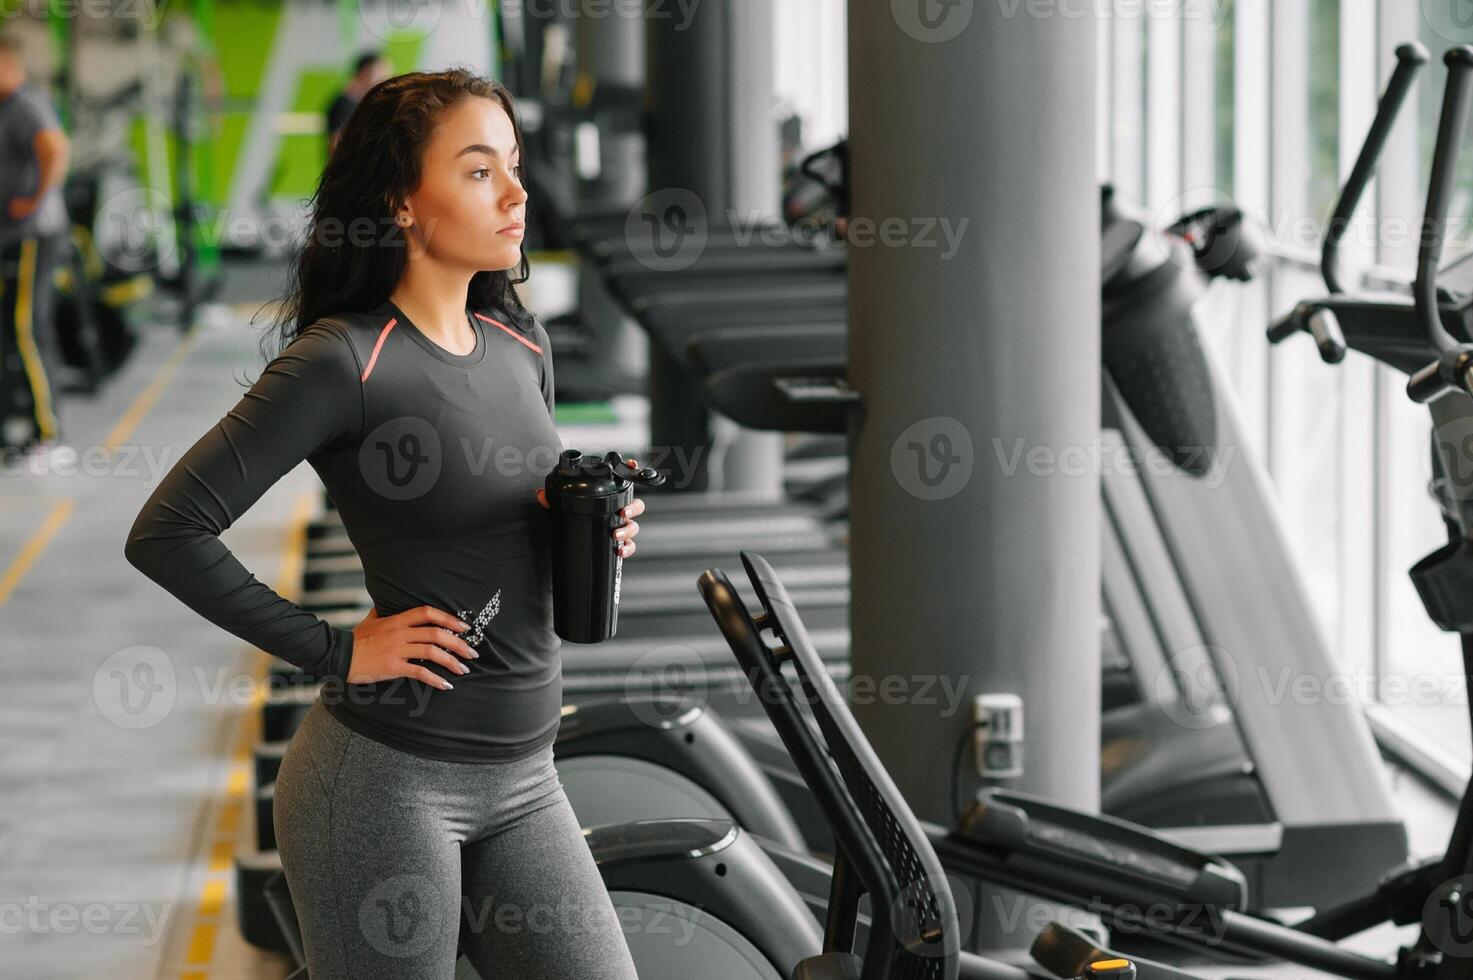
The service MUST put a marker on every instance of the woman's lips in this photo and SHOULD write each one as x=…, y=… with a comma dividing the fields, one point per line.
x=516, y=231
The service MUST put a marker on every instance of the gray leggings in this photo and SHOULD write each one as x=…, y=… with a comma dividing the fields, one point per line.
x=386, y=853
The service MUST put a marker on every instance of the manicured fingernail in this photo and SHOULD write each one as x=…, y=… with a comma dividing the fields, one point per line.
x=463, y=626
x=449, y=686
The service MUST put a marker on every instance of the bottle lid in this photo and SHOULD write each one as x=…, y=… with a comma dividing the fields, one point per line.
x=577, y=475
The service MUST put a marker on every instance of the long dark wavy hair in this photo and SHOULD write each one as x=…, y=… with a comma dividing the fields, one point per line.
x=374, y=167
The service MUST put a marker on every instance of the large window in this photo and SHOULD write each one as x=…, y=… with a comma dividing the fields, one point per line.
x=1266, y=105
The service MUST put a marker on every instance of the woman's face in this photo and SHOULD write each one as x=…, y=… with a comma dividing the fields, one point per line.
x=469, y=208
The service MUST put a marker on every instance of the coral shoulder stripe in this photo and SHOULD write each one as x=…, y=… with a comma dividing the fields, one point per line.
x=514, y=335
x=377, y=346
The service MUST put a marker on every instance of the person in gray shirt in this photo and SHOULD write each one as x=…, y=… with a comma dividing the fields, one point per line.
x=34, y=153
x=421, y=391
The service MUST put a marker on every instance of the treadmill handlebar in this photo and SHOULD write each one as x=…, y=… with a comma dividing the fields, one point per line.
x=1450, y=369
x=1453, y=371
x=1319, y=322
x=1445, y=153
x=1409, y=61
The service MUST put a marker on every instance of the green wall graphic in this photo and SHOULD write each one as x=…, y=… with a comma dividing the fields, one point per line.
x=244, y=39
x=301, y=156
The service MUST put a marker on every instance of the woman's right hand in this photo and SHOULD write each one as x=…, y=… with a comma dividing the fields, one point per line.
x=386, y=647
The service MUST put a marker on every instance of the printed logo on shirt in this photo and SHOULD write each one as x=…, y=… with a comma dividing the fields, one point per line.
x=479, y=620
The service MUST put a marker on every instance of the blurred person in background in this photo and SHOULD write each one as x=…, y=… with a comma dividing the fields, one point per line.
x=34, y=153
x=370, y=69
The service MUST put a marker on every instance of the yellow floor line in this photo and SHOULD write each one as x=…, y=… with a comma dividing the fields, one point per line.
x=33, y=547
x=122, y=430
x=201, y=944
x=149, y=395
x=221, y=860
x=213, y=899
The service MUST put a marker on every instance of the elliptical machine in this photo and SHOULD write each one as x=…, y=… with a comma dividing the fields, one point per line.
x=1427, y=336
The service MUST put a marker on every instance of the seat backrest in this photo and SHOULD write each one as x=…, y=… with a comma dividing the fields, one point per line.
x=914, y=930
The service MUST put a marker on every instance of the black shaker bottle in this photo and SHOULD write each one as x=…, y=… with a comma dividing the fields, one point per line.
x=584, y=496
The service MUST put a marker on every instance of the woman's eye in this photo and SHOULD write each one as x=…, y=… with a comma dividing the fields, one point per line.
x=482, y=170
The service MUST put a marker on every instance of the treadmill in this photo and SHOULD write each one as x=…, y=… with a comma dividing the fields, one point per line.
x=1201, y=594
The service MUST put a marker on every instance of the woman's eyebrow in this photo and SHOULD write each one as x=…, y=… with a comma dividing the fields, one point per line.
x=479, y=148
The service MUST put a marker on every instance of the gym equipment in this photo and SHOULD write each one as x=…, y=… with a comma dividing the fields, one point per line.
x=197, y=279
x=1178, y=757
x=1044, y=850
x=882, y=852
x=1069, y=953
x=112, y=249
x=1427, y=336
x=580, y=109
x=751, y=922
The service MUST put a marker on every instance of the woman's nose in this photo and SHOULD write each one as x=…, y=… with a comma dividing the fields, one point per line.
x=515, y=194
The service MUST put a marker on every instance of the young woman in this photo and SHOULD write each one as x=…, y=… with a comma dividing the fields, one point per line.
x=409, y=809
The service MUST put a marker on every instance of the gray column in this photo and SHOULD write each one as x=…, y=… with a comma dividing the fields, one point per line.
x=609, y=39
x=975, y=558
x=711, y=131
x=610, y=46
